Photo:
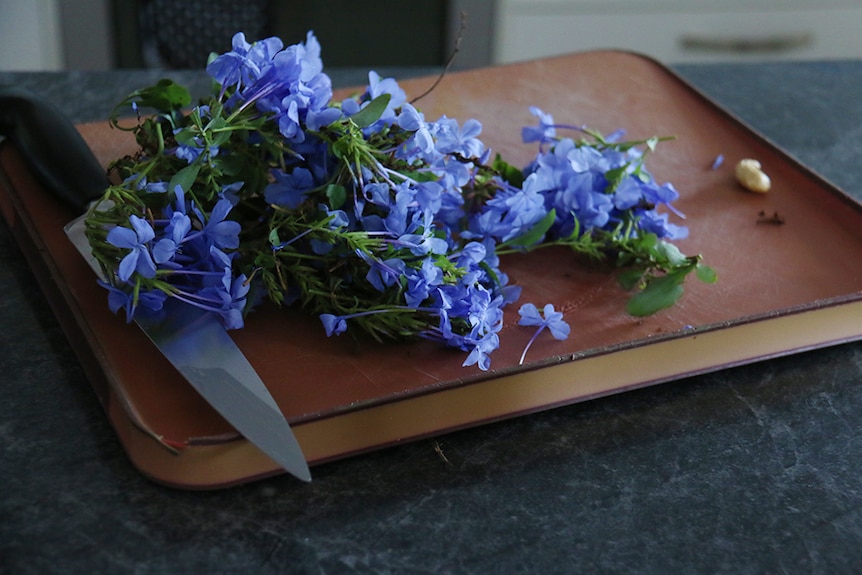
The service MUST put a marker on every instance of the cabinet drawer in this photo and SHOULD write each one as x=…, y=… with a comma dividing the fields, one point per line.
x=532, y=29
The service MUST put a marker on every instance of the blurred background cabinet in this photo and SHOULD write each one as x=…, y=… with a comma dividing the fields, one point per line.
x=103, y=34
x=677, y=31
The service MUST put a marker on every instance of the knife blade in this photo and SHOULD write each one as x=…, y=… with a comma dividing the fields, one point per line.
x=193, y=340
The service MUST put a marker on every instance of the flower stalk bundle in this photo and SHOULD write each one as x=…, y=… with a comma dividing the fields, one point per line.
x=363, y=211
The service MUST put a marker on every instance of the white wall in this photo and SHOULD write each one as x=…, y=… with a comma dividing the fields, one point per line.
x=30, y=35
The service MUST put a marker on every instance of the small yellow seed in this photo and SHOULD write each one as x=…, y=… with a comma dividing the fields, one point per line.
x=750, y=175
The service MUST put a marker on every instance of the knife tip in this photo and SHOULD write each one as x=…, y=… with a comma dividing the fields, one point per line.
x=303, y=475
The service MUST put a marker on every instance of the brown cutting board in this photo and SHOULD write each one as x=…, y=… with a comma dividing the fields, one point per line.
x=810, y=262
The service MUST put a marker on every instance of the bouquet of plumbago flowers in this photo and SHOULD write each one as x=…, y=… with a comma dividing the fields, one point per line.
x=363, y=211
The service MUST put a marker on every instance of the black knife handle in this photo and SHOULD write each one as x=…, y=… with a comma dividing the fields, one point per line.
x=52, y=147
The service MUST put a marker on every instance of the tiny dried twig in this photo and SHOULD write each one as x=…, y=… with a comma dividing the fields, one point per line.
x=774, y=219
x=438, y=449
x=448, y=62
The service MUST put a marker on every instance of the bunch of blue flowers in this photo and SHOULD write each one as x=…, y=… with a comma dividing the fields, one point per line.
x=363, y=211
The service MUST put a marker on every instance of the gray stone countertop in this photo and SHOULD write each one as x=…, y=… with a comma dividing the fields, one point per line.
x=755, y=469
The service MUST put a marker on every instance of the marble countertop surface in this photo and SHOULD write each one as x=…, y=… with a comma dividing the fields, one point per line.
x=754, y=469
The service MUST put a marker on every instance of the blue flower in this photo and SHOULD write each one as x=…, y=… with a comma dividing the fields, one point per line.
x=308, y=54
x=509, y=214
x=223, y=233
x=288, y=84
x=591, y=208
x=207, y=282
x=584, y=159
x=548, y=318
x=576, y=181
x=429, y=196
x=421, y=282
x=316, y=119
x=377, y=193
x=289, y=121
x=378, y=86
x=337, y=218
x=243, y=64
x=350, y=106
x=658, y=224
x=484, y=313
x=421, y=144
x=661, y=195
x=192, y=151
x=409, y=118
x=544, y=132
x=140, y=182
x=425, y=242
x=230, y=192
x=333, y=324
x=289, y=189
x=337, y=324
x=118, y=298
x=628, y=194
x=470, y=255
x=397, y=221
x=453, y=174
x=482, y=348
x=452, y=139
x=382, y=273
x=232, y=313
x=137, y=239
x=228, y=302
x=175, y=232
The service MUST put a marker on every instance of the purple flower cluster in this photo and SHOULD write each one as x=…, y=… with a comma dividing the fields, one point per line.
x=187, y=253
x=363, y=210
x=288, y=83
x=404, y=199
x=595, y=186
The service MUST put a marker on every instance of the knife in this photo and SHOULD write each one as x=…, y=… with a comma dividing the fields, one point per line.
x=193, y=340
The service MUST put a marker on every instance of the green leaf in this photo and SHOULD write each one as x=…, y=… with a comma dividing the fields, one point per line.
x=507, y=171
x=218, y=127
x=705, y=273
x=424, y=176
x=659, y=294
x=671, y=253
x=576, y=232
x=372, y=112
x=165, y=96
x=629, y=278
x=186, y=136
x=217, y=123
x=274, y=240
x=185, y=177
x=647, y=242
x=535, y=234
x=614, y=177
x=221, y=138
x=232, y=165
x=337, y=195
